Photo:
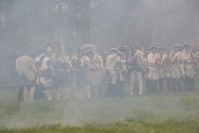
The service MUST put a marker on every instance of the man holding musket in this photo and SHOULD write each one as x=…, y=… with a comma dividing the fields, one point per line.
x=175, y=69
x=152, y=64
x=94, y=65
x=136, y=69
x=164, y=75
x=189, y=61
x=27, y=72
x=115, y=68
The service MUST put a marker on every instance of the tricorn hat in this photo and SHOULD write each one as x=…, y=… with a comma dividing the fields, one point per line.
x=163, y=48
x=175, y=46
x=186, y=45
x=89, y=51
x=153, y=48
x=123, y=48
x=113, y=50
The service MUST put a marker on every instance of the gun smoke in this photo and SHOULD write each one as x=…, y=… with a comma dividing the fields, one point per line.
x=34, y=24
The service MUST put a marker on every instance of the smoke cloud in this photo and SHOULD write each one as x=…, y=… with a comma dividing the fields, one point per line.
x=105, y=23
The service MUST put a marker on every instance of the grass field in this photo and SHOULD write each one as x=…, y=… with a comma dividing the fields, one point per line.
x=164, y=113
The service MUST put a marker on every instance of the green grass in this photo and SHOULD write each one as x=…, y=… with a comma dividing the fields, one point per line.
x=126, y=127
x=164, y=113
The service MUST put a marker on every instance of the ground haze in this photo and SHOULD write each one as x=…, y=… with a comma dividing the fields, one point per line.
x=150, y=113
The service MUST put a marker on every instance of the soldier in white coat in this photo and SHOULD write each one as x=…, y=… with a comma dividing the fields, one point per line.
x=152, y=75
x=196, y=65
x=94, y=65
x=115, y=68
x=46, y=71
x=175, y=69
x=189, y=61
x=136, y=69
x=164, y=75
x=27, y=71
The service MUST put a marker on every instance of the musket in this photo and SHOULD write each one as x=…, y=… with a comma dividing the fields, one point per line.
x=62, y=47
x=153, y=66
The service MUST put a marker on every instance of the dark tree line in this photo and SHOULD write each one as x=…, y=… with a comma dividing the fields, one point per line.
x=103, y=22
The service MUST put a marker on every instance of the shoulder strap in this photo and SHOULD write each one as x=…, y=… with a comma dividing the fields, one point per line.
x=133, y=57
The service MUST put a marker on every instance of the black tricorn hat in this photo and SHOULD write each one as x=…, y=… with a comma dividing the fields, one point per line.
x=185, y=45
x=123, y=48
x=113, y=50
x=175, y=46
x=153, y=48
x=134, y=47
x=89, y=51
x=163, y=48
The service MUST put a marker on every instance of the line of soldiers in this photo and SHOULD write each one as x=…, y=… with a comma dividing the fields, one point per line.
x=84, y=73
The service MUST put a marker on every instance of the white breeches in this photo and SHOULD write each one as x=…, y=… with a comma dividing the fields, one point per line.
x=136, y=76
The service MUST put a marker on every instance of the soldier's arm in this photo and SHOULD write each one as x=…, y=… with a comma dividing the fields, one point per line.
x=119, y=60
x=100, y=62
x=85, y=62
x=32, y=65
x=173, y=59
x=181, y=58
x=68, y=63
x=140, y=57
x=150, y=59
